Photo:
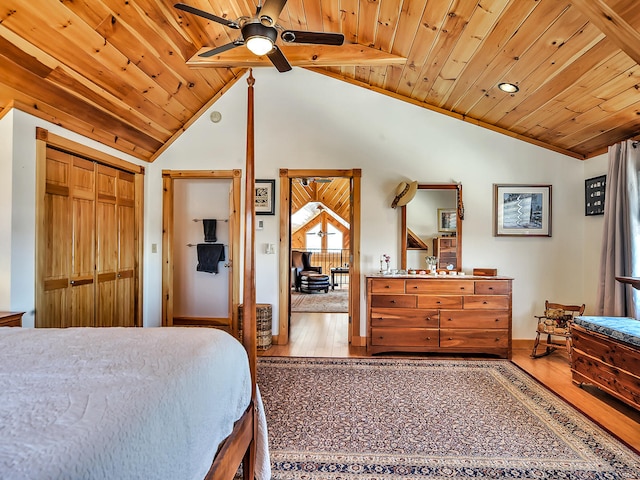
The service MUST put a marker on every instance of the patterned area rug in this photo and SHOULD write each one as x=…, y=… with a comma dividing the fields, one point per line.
x=380, y=419
x=334, y=301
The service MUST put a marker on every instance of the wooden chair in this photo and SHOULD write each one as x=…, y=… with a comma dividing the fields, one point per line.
x=556, y=322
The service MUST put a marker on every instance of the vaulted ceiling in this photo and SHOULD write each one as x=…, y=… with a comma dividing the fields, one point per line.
x=126, y=72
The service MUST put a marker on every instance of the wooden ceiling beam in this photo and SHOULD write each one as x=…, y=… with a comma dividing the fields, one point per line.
x=300, y=56
x=612, y=25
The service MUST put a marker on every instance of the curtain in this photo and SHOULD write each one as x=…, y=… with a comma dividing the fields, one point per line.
x=621, y=237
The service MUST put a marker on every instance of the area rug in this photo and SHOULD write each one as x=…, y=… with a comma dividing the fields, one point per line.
x=374, y=419
x=334, y=301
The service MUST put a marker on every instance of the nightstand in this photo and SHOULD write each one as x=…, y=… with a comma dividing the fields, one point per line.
x=11, y=319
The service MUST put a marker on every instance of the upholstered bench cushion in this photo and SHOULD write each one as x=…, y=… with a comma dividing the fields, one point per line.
x=624, y=329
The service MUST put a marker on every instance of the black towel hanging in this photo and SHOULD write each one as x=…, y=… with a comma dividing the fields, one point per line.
x=209, y=226
x=209, y=255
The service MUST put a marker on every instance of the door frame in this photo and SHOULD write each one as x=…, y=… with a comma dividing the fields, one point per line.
x=168, y=178
x=284, y=273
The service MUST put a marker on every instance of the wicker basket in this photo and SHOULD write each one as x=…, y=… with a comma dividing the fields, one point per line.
x=263, y=325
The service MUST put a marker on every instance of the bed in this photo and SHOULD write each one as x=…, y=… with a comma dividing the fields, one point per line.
x=152, y=403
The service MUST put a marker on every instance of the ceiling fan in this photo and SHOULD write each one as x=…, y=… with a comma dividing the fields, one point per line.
x=260, y=32
x=320, y=233
x=306, y=181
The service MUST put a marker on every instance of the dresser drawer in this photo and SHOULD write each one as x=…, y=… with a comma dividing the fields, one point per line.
x=393, y=301
x=493, y=287
x=387, y=285
x=471, y=338
x=439, y=301
x=489, y=302
x=404, y=317
x=440, y=286
x=404, y=337
x=483, y=319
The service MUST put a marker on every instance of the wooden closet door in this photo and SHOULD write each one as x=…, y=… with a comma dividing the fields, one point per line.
x=115, y=255
x=126, y=257
x=82, y=281
x=69, y=231
x=106, y=247
x=53, y=308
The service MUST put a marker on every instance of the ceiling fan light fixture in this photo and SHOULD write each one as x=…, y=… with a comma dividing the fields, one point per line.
x=508, y=87
x=259, y=39
x=259, y=45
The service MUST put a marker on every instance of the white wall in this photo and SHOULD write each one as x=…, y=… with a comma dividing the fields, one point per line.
x=6, y=172
x=306, y=120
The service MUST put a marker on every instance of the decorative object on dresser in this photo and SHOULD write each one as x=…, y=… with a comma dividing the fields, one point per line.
x=485, y=272
x=556, y=321
x=606, y=353
x=439, y=314
x=522, y=210
x=11, y=319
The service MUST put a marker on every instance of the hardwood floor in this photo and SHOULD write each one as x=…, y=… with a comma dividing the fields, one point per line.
x=325, y=335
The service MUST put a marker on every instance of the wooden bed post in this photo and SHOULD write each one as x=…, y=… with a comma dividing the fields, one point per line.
x=249, y=334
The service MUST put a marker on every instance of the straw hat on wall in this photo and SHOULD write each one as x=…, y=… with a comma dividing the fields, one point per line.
x=404, y=194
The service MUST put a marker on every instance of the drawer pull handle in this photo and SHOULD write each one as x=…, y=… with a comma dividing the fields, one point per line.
x=387, y=286
x=72, y=282
x=461, y=288
x=438, y=302
x=490, y=288
x=497, y=339
x=450, y=338
x=392, y=301
x=428, y=338
x=497, y=319
x=484, y=303
x=415, y=286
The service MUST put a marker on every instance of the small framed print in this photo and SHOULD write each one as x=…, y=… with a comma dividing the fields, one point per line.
x=447, y=220
x=522, y=210
x=594, y=189
x=265, y=195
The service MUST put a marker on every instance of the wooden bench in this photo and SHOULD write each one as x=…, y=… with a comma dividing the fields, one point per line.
x=606, y=353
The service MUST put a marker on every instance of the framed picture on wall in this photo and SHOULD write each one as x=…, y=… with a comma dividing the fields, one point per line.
x=447, y=219
x=522, y=210
x=594, y=189
x=265, y=197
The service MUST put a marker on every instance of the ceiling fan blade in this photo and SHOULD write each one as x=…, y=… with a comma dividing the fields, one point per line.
x=279, y=60
x=270, y=12
x=319, y=38
x=223, y=48
x=207, y=15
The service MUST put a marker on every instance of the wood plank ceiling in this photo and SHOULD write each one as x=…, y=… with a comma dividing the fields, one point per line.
x=116, y=70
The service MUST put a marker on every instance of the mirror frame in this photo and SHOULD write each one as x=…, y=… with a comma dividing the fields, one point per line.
x=460, y=209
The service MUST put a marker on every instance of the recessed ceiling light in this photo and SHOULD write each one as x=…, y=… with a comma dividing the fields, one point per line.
x=508, y=87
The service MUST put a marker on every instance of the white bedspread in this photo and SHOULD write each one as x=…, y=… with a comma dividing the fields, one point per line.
x=118, y=403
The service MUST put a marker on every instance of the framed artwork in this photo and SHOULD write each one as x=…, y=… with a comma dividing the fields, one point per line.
x=265, y=191
x=447, y=219
x=522, y=210
x=594, y=189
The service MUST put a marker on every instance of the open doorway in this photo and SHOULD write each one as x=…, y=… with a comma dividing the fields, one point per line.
x=323, y=212
x=320, y=215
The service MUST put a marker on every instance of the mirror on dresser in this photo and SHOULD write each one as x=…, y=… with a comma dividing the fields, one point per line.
x=432, y=226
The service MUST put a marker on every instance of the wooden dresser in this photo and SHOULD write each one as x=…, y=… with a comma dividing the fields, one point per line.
x=444, y=314
x=445, y=248
x=11, y=319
